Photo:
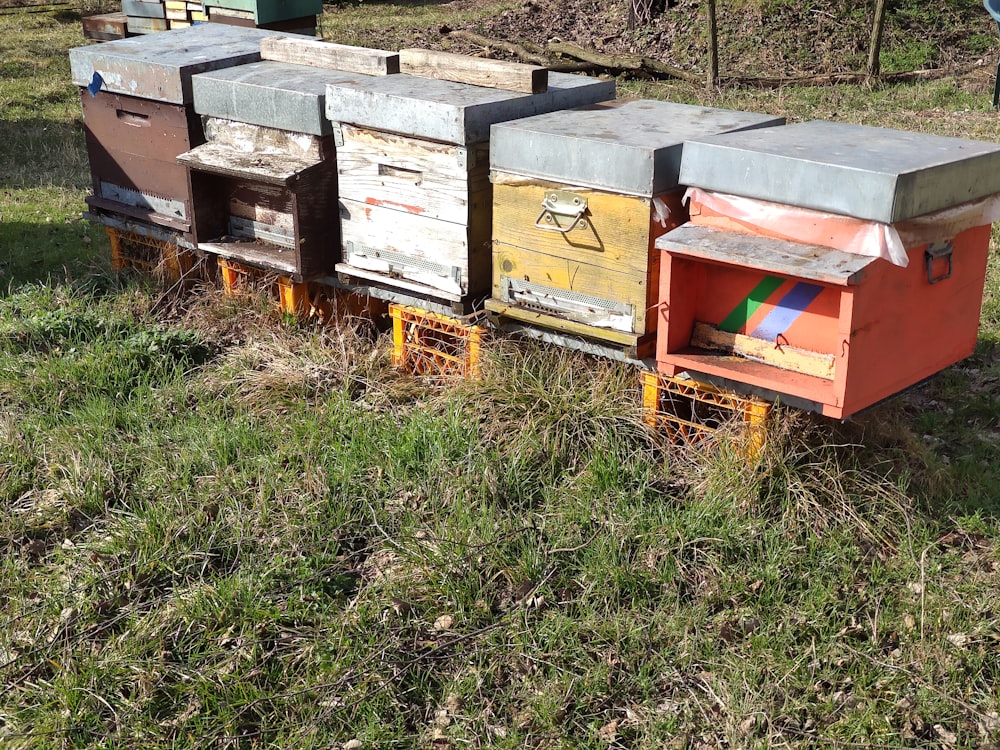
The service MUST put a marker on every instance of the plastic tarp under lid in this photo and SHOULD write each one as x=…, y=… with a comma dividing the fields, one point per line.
x=859, y=236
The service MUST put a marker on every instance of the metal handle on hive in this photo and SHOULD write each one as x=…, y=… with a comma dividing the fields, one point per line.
x=562, y=203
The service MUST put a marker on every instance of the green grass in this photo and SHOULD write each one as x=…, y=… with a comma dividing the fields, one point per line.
x=220, y=531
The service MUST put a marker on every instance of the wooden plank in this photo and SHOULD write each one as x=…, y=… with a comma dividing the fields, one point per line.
x=272, y=169
x=618, y=234
x=256, y=254
x=245, y=15
x=318, y=54
x=137, y=25
x=791, y=358
x=246, y=137
x=497, y=74
x=414, y=175
x=783, y=257
x=264, y=204
x=564, y=325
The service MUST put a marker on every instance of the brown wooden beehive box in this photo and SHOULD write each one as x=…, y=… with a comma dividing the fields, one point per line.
x=265, y=184
x=272, y=210
x=138, y=114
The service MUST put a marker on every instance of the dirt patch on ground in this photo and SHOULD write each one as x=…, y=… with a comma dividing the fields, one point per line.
x=788, y=39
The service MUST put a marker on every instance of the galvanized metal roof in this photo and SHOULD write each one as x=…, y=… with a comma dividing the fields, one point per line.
x=869, y=173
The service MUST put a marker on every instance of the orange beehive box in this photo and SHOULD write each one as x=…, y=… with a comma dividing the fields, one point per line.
x=830, y=312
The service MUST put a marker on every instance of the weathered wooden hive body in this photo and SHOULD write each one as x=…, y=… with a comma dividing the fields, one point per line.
x=413, y=162
x=855, y=270
x=294, y=16
x=141, y=116
x=579, y=197
x=145, y=16
x=265, y=183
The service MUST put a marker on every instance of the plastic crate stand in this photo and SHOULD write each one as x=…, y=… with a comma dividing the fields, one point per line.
x=691, y=412
x=240, y=280
x=428, y=343
x=308, y=301
x=162, y=259
x=328, y=304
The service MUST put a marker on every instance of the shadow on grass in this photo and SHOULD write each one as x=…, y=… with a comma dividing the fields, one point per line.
x=42, y=153
x=943, y=436
x=40, y=251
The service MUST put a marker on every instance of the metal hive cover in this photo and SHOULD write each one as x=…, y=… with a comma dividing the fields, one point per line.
x=452, y=112
x=865, y=172
x=274, y=94
x=630, y=146
x=159, y=66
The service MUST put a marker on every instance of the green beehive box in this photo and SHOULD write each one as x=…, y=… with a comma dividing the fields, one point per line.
x=269, y=11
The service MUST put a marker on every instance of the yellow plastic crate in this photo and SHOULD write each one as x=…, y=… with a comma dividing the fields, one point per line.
x=691, y=412
x=427, y=343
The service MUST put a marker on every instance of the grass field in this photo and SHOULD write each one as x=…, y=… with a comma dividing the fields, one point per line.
x=219, y=530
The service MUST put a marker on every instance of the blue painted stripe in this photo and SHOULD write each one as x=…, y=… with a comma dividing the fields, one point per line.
x=791, y=306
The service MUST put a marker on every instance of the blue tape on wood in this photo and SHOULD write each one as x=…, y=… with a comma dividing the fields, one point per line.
x=95, y=84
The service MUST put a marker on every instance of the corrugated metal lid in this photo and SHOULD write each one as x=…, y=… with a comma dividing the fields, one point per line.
x=630, y=146
x=868, y=173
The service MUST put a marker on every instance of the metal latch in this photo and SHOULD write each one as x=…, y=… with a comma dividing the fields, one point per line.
x=561, y=203
x=934, y=253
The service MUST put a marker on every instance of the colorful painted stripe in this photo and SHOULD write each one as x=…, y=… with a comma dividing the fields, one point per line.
x=791, y=306
x=742, y=313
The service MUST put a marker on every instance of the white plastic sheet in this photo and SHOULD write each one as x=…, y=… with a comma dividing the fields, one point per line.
x=871, y=238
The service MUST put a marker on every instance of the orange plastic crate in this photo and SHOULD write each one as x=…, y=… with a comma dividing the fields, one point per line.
x=239, y=280
x=691, y=412
x=328, y=304
x=308, y=301
x=162, y=259
x=427, y=343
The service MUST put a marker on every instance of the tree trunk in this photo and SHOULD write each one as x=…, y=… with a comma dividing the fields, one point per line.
x=712, y=78
x=874, y=50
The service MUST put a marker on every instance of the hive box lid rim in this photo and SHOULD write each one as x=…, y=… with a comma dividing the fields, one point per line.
x=861, y=171
x=282, y=95
x=631, y=146
x=449, y=111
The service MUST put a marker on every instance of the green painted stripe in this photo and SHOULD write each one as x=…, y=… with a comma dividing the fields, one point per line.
x=745, y=309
